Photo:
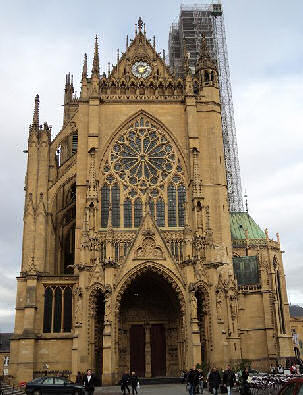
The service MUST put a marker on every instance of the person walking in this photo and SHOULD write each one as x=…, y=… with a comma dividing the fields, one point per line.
x=245, y=385
x=192, y=380
x=79, y=378
x=229, y=379
x=89, y=382
x=201, y=381
x=214, y=380
x=125, y=382
x=134, y=382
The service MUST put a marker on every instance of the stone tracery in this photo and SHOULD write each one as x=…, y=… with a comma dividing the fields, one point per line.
x=143, y=159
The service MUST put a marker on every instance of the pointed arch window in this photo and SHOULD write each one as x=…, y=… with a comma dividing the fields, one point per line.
x=172, y=203
x=128, y=223
x=48, y=310
x=181, y=203
x=116, y=206
x=68, y=308
x=58, y=310
x=74, y=143
x=138, y=213
x=104, y=205
x=160, y=213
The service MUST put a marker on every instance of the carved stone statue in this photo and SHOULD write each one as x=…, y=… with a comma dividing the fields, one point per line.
x=78, y=306
x=219, y=304
x=194, y=306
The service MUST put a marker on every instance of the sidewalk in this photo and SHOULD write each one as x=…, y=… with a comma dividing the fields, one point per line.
x=157, y=389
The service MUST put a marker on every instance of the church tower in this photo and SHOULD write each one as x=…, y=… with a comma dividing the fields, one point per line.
x=131, y=258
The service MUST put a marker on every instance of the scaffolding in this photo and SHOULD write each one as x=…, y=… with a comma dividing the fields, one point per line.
x=208, y=19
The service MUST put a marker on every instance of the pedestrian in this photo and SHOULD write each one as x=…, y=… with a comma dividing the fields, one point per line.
x=214, y=380
x=79, y=379
x=134, y=382
x=280, y=369
x=245, y=385
x=201, y=381
x=89, y=382
x=229, y=379
x=125, y=382
x=192, y=380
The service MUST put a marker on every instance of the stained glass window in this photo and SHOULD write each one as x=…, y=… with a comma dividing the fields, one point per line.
x=48, y=305
x=116, y=206
x=104, y=205
x=160, y=213
x=151, y=204
x=181, y=201
x=143, y=157
x=138, y=212
x=57, y=310
x=103, y=251
x=128, y=213
x=116, y=252
x=74, y=143
x=68, y=308
x=171, y=195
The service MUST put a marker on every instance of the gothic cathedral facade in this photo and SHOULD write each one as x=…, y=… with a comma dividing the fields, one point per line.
x=131, y=257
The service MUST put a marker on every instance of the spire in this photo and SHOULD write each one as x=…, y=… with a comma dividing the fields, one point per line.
x=95, y=69
x=84, y=71
x=205, y=60
x=36, y=112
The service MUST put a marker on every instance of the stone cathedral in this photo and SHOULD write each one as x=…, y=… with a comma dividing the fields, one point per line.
x=131, y=258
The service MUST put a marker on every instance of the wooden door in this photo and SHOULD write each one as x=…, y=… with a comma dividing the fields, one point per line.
x=158, y=350
x=137, y=350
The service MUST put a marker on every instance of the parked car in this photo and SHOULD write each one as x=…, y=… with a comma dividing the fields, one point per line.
x=293, y=387
x=53, y=385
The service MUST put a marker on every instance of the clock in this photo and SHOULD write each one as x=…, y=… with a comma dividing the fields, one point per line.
x=141, y=69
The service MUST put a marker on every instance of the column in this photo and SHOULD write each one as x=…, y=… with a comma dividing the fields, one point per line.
x=107, y=342
x=194, y=324
x=148, y=372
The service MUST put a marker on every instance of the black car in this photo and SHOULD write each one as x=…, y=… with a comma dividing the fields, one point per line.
x=53, y=385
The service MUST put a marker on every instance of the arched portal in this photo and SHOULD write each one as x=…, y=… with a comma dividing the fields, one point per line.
x=150, y=327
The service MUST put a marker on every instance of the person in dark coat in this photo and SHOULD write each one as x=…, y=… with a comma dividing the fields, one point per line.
x=245, y=385
x=229, y=379
x=192, y=380
x=125, y=380
x=79, y=379
x=214, y=380
x=134, y=382
x=89, y=382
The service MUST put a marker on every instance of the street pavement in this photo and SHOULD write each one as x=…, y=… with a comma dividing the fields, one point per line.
x=156, y=389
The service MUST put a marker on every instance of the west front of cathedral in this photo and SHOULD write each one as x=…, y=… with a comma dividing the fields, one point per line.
x=131, y=258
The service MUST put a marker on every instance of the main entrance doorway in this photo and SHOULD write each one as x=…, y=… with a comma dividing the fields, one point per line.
x=158, y=350
x=137, y=349
x=150, y=328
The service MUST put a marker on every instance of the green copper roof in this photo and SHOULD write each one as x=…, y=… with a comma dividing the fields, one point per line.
x=240, y=222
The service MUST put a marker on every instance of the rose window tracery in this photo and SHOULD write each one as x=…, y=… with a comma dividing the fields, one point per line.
x=143, y=163
x=142, y=158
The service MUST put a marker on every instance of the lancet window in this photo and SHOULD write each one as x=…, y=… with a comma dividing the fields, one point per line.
x=143, y=173
x=57, y=309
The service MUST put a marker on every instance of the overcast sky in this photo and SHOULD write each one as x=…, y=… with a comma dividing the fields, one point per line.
x=41, y=41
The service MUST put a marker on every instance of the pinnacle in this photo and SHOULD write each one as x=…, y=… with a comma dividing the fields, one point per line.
x=95, y=69
x=36, y=112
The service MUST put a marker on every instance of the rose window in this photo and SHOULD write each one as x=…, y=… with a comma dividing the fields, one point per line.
x=143, y=158
x=142, y=170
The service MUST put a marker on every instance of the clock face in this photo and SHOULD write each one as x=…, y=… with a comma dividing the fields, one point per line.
x=141, y=69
